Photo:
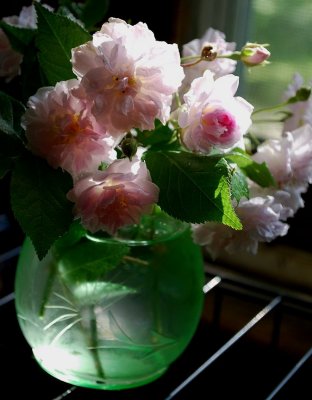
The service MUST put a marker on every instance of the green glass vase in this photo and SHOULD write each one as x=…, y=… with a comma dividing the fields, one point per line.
x=111, y=313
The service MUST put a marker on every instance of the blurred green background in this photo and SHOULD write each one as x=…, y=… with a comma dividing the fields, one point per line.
x=286, y=25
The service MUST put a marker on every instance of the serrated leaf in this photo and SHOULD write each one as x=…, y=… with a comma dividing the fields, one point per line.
x=19, y=38
x=239, y=185
x=11, y=111
x=193, y=188
x=39, y=203
x=57, y=35
x=258, y=173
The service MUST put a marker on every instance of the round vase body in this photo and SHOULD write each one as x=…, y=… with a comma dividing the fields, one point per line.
x=111, y=313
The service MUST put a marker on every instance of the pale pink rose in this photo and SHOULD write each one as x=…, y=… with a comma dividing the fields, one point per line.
x=60, y=128
x=261, y=219
x=289, y=196
x=301, y=110
x=212, y=116
x=289, y=158
x=118, y=196
x=254, y=54
x=129, y=75
x=301, y=154
x=213, y=236
x=10, y=59
x=220, y=66
x=276, y=154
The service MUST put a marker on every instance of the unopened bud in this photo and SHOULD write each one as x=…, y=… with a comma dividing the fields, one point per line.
x=302, y=94
x=129, y=146
x=208, y=53
x=253, y=54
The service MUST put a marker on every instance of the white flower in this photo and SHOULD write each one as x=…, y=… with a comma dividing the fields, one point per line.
x=27, y=18
x=261, y=219
x=301, y=110
x=289, y=158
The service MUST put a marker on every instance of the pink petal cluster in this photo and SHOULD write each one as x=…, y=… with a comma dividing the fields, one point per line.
x=301, y=110
x=261, y=217
x=60, y=128
x=212, y=116
x=118, y=196
x=129, y=76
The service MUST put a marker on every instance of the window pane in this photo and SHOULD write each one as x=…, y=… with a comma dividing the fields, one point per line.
x=286, y=26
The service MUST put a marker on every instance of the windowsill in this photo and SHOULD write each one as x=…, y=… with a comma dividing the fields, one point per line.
x=283, y=266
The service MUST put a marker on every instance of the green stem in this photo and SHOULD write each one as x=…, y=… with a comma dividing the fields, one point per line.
x=91, y=334
x=94, y=344
x=285, y=103
x=177, y=98
x=189, y=58
x=191, y=64
x=47, y=289
x=136, y=260
x=266, y=121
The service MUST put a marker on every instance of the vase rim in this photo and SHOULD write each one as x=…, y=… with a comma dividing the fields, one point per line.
x=151, y=230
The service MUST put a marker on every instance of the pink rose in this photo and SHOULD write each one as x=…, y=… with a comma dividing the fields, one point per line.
x=61, y=129
x=118, y=196
x=129, y=76
x=212, y=116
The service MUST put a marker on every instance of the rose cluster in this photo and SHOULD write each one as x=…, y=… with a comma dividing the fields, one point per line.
x=125, y=81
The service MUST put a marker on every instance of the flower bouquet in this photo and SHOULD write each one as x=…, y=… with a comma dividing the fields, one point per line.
x=111, y=127
x=118, y=122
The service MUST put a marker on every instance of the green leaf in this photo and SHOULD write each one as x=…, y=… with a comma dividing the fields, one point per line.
x=11, y=148
x=39, y=203
x=57, y=35
x=32, y=77
x=239, y=185
x=11, y=111
x=160, y=134
x=89, y=261
x=193, y=188
x=20, y=38
x=258, y=173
